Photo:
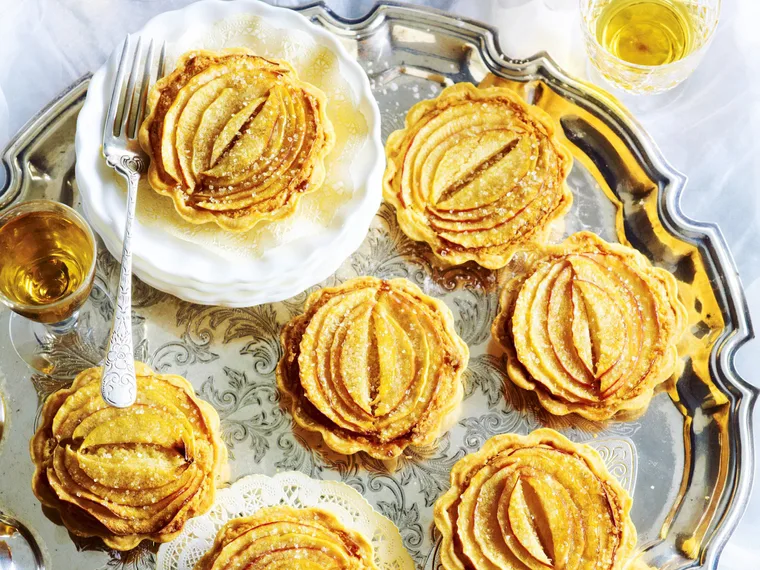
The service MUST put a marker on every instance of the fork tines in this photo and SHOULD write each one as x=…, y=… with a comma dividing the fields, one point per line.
x=127, y=108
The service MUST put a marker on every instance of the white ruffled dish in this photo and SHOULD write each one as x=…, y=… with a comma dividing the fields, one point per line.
x=275, y=260
x=251, y=493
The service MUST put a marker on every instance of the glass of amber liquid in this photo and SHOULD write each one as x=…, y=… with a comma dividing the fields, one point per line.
x=47, y=271
x=648, y=46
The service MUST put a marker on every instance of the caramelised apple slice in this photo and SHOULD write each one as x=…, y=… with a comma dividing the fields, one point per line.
x=477, y=174
x=288, y=538
x=235, y=138
x=127, y=474
x=373, y=366
x=591, y=327
x=534, y=502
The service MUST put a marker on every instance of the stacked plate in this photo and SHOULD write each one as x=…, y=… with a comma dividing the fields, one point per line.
x=275, y=260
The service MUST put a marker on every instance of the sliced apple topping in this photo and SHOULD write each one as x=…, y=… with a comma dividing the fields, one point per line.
x=373, y=365
x=591, y=327
x=235, y=138
x=535, y=502
x=128, y=474
x=477, y=174
x=288, y=538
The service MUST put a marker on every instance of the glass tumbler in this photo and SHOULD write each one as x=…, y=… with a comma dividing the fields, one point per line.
x=60, y=321
x=650, y=79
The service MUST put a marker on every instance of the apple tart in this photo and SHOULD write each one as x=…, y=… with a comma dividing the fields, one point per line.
x=288, y=538
x=127, y=474
x=591, y=327
x=373, y=366
x=235, y=138
x=477, y=173
x=536, y=501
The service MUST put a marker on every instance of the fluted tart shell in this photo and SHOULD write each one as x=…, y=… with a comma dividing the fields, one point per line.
x=534, y=502
x=234, y=138
x=477, y=174
x=591, y=327
x=288, y=538
x=373, y=366
x=127, y=474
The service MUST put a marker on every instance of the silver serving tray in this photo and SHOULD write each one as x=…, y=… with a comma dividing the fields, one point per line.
x=688, y=461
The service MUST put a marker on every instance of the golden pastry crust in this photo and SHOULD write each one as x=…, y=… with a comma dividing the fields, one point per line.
x=535, y=501
x=477, y=173
x=235, y=138
x=591, y=327
x=287, y=538
x=373, y=366
x=127, y=474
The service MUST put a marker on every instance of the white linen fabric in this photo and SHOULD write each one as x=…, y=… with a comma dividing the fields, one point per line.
x=707, y=128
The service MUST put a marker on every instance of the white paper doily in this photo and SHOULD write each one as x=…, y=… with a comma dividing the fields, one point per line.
x=251, y=493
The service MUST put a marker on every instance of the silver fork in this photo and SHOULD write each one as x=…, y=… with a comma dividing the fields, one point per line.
x=123, y=153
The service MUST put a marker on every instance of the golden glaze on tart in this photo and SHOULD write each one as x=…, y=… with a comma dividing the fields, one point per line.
x=476, y=173
x=373, y=366
x=235, y=138
x=591, y=327
x=127, y=474
x=287, y=538
x=534, y=502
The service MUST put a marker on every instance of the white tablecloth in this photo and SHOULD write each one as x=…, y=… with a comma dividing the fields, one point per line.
x=707, y=128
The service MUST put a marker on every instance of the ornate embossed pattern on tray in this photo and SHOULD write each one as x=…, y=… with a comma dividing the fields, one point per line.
x=622, y=189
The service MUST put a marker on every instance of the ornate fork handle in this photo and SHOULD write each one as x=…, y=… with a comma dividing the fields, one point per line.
x=119, y=387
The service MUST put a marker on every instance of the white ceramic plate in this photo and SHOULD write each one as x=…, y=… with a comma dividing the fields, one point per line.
x=276, y=260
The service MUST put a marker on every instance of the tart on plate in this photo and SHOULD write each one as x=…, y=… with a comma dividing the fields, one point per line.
x=288, y=538
x=591, y=327
x=477, y=173
x=535, y=501
x=235, y=138
x=373, y=366
x=127, y=474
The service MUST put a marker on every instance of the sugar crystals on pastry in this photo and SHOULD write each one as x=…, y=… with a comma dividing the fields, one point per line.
x=373, y=366
x=477, y=173
x=288, y=538
x=535, y=501
x=591, y=327
x=127, y=474
x=235, y=138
